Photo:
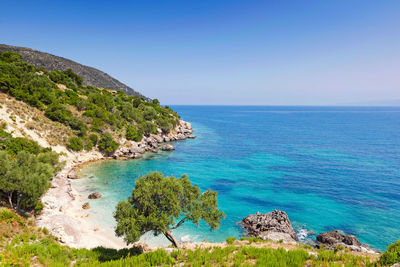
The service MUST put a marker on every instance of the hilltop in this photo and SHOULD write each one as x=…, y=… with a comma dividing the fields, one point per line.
x=90, y=76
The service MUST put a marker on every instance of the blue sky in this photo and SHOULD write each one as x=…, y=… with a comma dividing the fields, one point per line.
x=224, y=52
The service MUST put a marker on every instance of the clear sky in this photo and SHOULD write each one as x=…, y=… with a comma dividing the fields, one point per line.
x=224, y=52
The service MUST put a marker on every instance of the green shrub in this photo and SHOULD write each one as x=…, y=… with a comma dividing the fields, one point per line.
x=107, y=144
x=38, y=208
x=75, y=143
x=230, y=240
x=133, y=133
x=392, y=254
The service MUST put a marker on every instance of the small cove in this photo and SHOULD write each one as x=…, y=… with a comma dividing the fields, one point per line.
x=327, y=167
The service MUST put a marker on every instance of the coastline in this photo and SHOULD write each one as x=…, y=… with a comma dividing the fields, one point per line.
x=63, y=214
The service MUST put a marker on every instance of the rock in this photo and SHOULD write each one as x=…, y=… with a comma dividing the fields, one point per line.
x=335, y=238
x=94, y=195
x=137, y=156
x=180, y=136
x=72, y=175
x=167, y=147
x=274, y=226
x=86, y=206
x=143, y=247
x=191, y=136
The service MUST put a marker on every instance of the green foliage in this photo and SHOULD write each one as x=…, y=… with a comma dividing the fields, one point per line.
x=158, y=201
x=148, y=128
x=83, y=107
x=25, y=245
x=26, y=169
x=392, y=254
x=252, y=239
x=133, y=133
x=230, y=240
x=75, y=143
x=107, y=144
x=15, y=145
x=26, y=177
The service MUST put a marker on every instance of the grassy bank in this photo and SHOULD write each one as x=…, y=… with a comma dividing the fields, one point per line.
x=23, y=244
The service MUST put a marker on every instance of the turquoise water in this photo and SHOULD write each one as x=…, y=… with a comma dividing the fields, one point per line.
x=328, y=168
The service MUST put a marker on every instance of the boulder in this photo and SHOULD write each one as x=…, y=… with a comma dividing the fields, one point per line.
x=167, y=147
x=273, y=226
x=336, y=238
x=86, y=206
x=72, y=175
x=94, y=195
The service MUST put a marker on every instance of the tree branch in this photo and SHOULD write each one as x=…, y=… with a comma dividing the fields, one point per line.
x=178, y=224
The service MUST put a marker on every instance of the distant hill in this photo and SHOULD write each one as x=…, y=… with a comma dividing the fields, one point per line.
x=91, y=76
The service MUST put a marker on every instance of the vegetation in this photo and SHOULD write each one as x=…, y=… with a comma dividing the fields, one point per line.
x=158, y=201
x=86, y=110
x=75, y=143
x=26, y=170
x=230, y=240
x=107, y=144
x=23, y=244
x=392, y=254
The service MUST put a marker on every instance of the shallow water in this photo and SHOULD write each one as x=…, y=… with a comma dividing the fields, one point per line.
x=327, y=167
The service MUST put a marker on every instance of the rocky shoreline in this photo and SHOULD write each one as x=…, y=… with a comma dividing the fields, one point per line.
x=63, y=213
x=276, y=226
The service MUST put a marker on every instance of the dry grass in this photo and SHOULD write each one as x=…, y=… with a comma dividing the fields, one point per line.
x=33, y=119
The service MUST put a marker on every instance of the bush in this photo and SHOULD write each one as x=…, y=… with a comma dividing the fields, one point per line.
x=93, y=139
x=148, y=128
x=75, y=143
x=132, y=133
x=230, y=240
x=107, y=144
x=392, y=254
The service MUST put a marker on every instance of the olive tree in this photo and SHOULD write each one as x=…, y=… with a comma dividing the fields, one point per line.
x=162, y=204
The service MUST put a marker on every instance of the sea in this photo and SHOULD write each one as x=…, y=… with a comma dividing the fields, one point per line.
x=328, y=168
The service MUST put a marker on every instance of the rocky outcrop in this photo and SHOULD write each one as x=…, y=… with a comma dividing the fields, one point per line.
x=333, y=239
x=133, y=150
x=94, y=195
x=86, y=206
x=273, y=226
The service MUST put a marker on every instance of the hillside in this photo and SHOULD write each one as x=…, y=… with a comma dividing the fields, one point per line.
x=91, y=76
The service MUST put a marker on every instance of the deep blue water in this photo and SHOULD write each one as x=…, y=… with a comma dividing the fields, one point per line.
x=327, y=167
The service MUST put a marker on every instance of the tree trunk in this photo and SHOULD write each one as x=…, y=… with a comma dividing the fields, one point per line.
x=10, y=200
x=172, y=239
x=18, y=202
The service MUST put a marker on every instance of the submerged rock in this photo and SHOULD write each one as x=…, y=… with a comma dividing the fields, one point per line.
x=273, y=226
x=333, y=239
x=167, y=147
x=94, y=195
x=72, y=175
x=86, y=206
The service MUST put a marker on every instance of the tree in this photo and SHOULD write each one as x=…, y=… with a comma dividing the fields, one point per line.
x=107, y=144
x=7, y=185
x=158, y=201
x=132, y=133
x=25, y=178
x=75, y=143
